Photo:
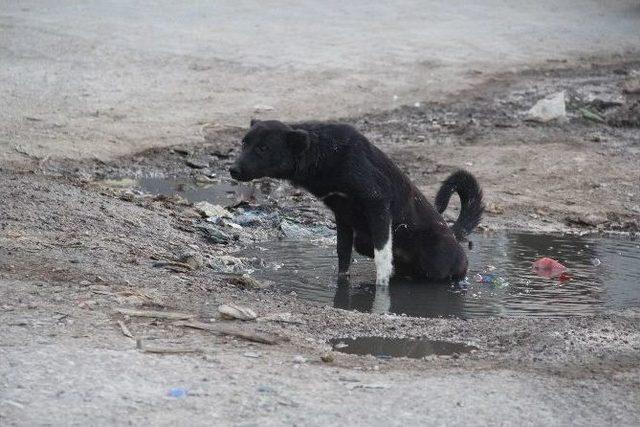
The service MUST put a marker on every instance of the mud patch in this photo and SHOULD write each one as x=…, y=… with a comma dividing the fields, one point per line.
x=384, y=348
x=603, y=272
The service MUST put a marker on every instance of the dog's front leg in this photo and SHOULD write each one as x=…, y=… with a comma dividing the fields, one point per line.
x=345, y=245
x=379, y=219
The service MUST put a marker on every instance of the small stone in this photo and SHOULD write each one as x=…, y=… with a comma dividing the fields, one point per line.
x=299, y=359
x=229, y=311
x=245, y=282
x=192, y=259
x=632, y=85
x=252, y=354
x=212, y=234
x=259, y=108
x=327, y=358
x=207, y=210
x=591, y=220
x=196, y=164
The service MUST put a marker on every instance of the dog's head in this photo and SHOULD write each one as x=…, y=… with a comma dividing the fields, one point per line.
x=270, y=148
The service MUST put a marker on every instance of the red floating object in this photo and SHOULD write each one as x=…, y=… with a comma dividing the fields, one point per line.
x=548, y=267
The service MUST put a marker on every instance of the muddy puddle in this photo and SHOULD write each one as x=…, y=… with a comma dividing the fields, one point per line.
x=603, y=274
x=384, y=348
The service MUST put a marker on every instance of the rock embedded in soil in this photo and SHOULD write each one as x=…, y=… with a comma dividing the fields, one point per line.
x=213, y=234
x=192, y=259
x=551, y=108
x=209, y=210
x=232, y=312
x=196, y=164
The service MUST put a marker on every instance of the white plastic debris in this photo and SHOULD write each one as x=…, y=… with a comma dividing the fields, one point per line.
x=548, y=109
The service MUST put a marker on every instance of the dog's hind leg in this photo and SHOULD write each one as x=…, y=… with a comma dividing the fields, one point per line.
x=380, y=226
x=345, y=245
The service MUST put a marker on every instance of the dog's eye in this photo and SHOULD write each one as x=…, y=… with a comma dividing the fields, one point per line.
x=262, y=148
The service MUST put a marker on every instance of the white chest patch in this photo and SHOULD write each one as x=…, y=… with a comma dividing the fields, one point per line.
x=383, y=259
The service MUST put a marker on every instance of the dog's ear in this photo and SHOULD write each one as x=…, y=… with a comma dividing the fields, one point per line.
x=253, y=122
x=298, y=140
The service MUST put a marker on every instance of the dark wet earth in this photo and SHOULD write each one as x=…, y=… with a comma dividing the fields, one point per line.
x=602, y=274
x=383, y=347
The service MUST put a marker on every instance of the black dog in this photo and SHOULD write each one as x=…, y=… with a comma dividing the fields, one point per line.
x=377, y=209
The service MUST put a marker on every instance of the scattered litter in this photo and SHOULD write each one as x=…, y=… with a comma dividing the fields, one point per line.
x=590, y=115
x=491, y=279
x=254, y=218
x=209, y=210
x=252, y=354
x=548, y=267
x=341, y=344
x=595, y=262
x=367, y=386
x=177, y=392
x=294, y=230
x=170, y=315
x=548, y=109
x=232, y=312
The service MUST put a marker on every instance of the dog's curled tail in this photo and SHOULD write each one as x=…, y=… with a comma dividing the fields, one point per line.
x=468, y=189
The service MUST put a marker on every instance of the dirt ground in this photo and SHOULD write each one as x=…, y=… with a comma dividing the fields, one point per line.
x=75, y=249
x=98, y=91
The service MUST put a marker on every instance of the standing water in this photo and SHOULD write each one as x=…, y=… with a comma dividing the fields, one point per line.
x=603, y=273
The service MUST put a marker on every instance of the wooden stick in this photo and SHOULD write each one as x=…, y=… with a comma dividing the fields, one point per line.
x=125, y=331
x=235, y=332
x=171, y=315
